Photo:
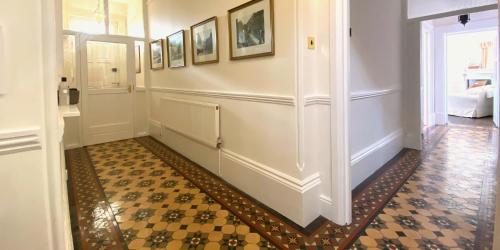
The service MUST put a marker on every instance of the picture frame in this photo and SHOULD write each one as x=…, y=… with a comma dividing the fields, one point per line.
x=156, y=54
x=176, y=49
x=138, y=69
x=205, y=42
x=251, y=30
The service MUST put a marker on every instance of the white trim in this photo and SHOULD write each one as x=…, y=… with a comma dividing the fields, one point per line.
x=370, y=159
x=317, y=100
x=441, y=118
x=293, y=183
x=20, y=140
x=141, y=134
x=325, y=199
x=326, y=100
x=140, y=89
x=154, y=128
x=274, y=99
x=340, y=112
x=359, y=156
x=72, y=146
x=299, y=85
x=155, y=123
x=372, y=93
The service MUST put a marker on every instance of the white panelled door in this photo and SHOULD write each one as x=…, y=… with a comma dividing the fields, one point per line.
x=107, y=84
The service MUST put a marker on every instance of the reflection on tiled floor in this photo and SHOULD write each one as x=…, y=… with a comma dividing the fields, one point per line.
x=449, y=201
x=163, y=201
x=156, y=207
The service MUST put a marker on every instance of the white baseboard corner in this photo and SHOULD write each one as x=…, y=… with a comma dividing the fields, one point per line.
x=141, y=134
x=155, y=128
x=413, y=141
x=72, y=146
x=275, y=189
x=327, y=207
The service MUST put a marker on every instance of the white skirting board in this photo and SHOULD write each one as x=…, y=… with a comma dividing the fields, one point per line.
x=413, y=141
x=296, y=199
x=275, y=189
x=371, y=158
x=155, y=128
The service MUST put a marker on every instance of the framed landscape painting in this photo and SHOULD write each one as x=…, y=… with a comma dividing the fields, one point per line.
x=251, y=29
x=176, y=50
x=204, y=42
x=156, y=48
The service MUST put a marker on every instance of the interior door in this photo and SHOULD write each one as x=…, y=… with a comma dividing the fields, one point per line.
x=107, y=70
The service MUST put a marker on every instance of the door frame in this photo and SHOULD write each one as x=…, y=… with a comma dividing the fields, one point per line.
x=427, y=74
x=340, y=112
x=81, y=39
x=415, y=33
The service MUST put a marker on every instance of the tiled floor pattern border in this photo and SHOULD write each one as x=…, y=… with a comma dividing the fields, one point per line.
x=365, y=206
x=95, y=220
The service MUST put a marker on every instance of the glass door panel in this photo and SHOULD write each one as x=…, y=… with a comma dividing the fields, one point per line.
x=107, y=65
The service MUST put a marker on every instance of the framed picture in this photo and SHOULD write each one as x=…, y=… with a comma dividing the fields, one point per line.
x=205, y=42
x=138, y=59
x=251, y=30
x=176, y=50
x=156, y=48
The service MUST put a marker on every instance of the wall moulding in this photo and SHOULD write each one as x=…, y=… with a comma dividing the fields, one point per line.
x=372, y=93
x=272, y=99
x=317, y=100
x=19, y=140
x=326, y=100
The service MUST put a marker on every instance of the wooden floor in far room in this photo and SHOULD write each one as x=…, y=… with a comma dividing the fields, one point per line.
x=478, y=122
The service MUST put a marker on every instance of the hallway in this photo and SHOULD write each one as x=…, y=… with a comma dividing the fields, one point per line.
x=155, y=198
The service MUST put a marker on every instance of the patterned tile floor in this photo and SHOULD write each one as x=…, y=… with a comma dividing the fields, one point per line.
x=157, y=207
x=448, y=203
x=155, y=199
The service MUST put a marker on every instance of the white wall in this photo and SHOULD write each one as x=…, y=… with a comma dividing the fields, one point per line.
x=421, y=8
x=30, y=173
x=269, y=146
x=376, y=84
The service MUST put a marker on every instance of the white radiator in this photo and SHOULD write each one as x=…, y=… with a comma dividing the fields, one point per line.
x=196, y=120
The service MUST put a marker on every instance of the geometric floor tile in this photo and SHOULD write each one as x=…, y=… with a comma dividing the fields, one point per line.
x=448, y=203
x=139, y=194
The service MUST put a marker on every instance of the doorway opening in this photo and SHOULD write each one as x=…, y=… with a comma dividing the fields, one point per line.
x=103, y=48
x=459, y=71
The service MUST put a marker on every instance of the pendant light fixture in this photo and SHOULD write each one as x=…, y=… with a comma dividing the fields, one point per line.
x=464, y=19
